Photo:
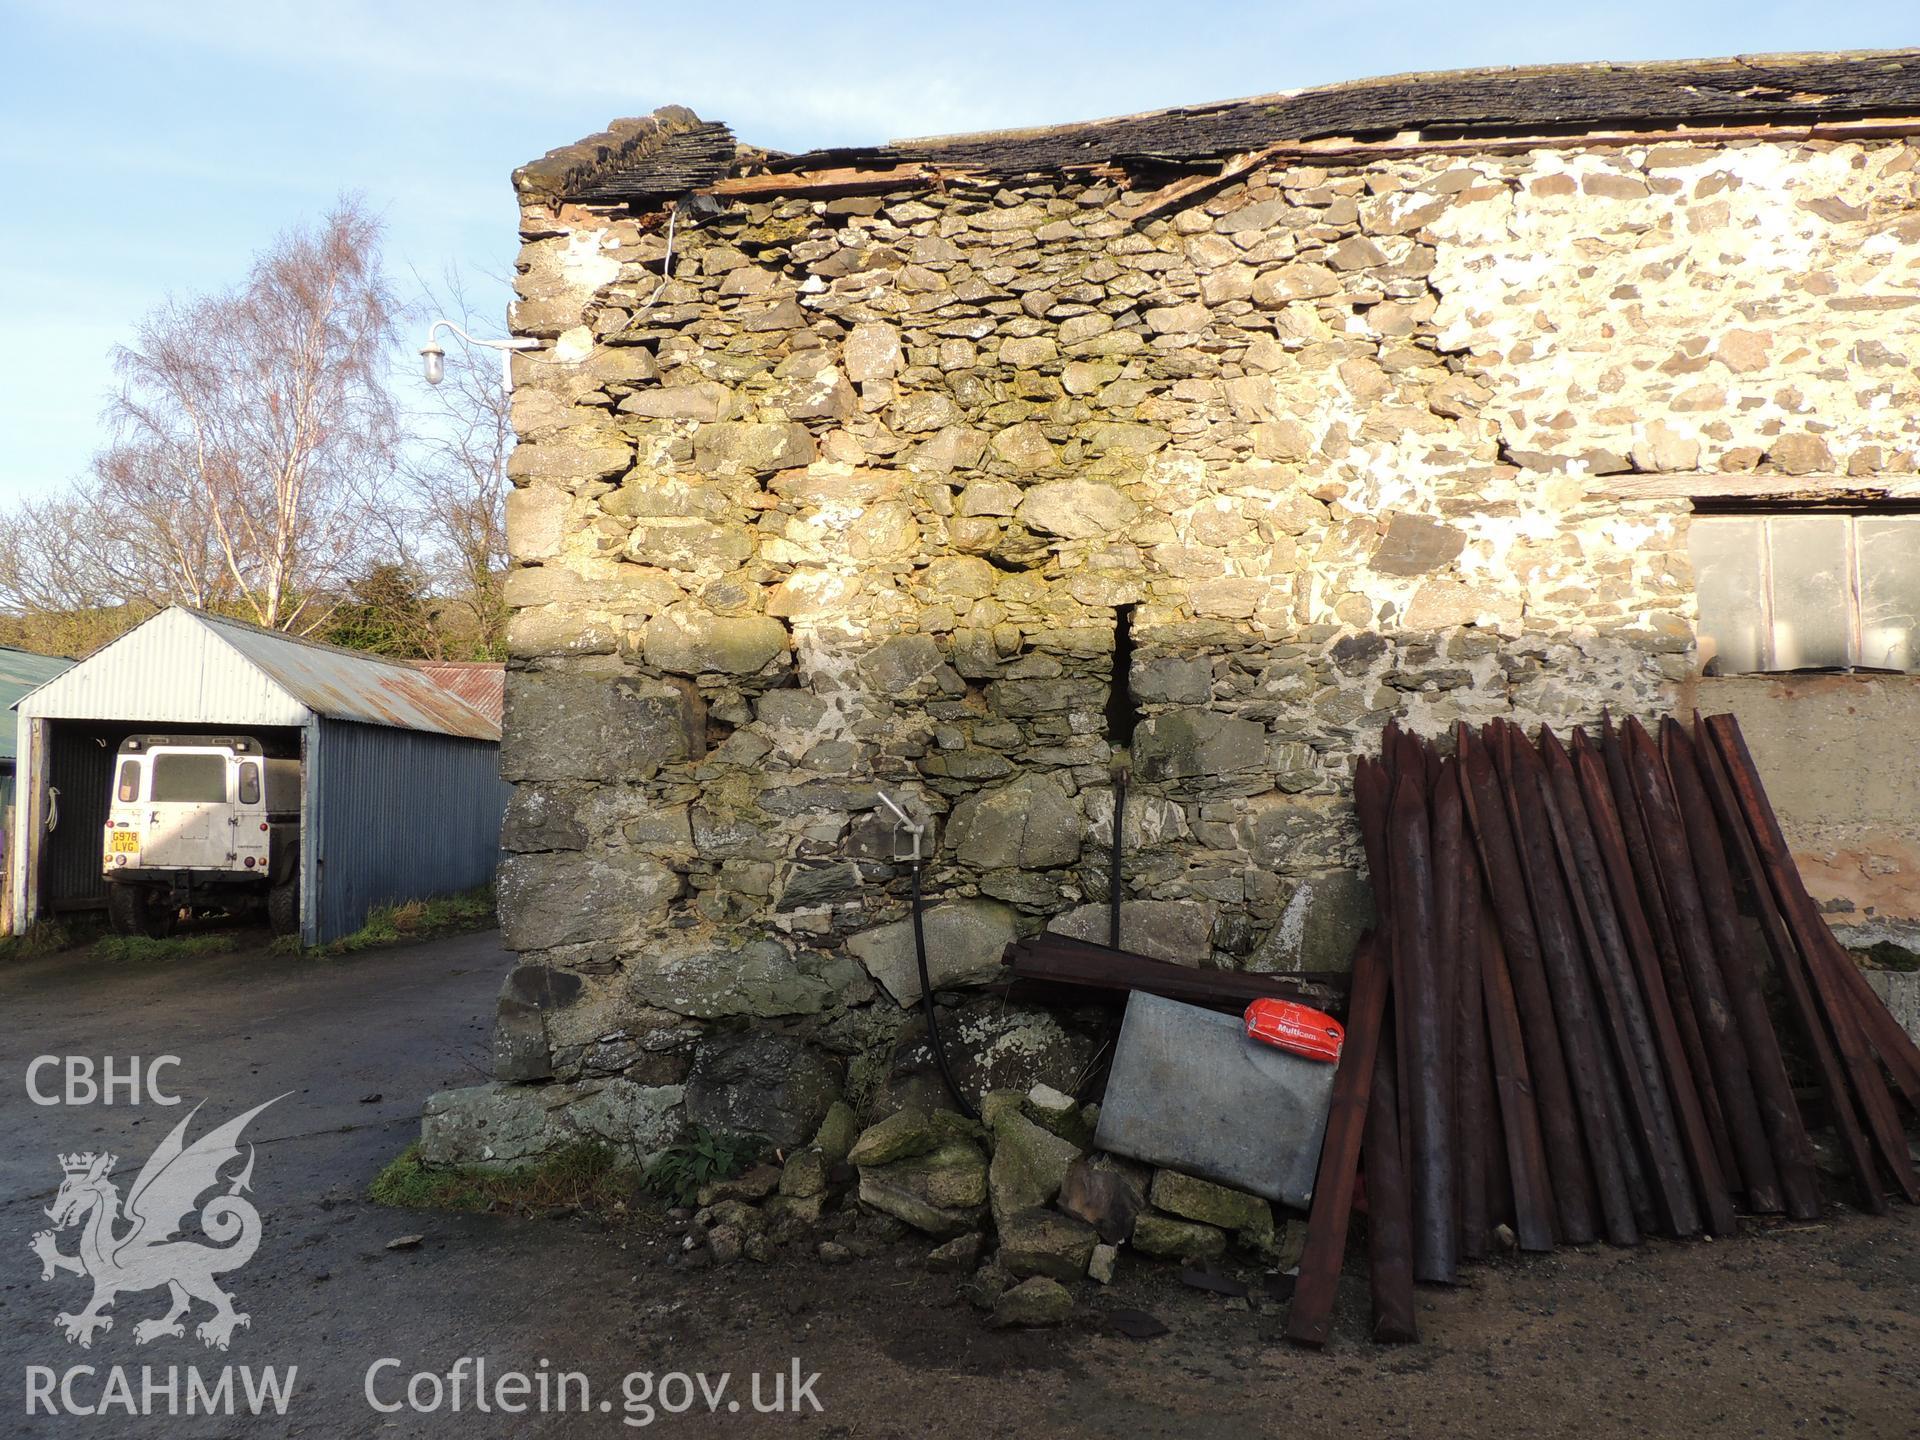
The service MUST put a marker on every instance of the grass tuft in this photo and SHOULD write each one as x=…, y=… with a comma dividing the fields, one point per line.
x=584, y=1177
x=420, y=920
x=46, y=937
x=138, y=949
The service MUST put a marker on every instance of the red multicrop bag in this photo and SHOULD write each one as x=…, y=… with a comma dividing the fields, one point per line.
x=1296, y=1028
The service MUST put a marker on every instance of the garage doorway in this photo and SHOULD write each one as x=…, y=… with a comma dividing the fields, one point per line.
x=75, y=799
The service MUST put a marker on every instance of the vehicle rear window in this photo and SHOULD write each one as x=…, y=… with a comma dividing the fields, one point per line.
x=190, y=778
x=128, y=790
x=250, y=783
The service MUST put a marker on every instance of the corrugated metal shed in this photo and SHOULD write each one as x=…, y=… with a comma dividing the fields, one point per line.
x=400, y=790
x=21, y=673
x=187, y=667
x=436, y=828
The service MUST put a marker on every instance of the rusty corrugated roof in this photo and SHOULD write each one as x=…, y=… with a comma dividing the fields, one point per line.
x=481, y=683
x=346, y=684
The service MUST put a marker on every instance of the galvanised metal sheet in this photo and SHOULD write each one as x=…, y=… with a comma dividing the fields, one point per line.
x=186, y=667
x=173, y=669
x=22, y=672
x=82, y=774
x=339, y=684
x=398, y=815
x=1191, y=1091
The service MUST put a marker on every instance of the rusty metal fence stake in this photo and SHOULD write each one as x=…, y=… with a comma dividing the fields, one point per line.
x=1572, y=1182
x=1422, y=1066
x=1667, y=834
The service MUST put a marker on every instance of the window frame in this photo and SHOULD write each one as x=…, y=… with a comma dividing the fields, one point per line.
x=1853, y=595
x=225, y=796
x=129, y=764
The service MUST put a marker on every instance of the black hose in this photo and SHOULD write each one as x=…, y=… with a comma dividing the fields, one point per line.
x=1113, y=860
x=934, y=1041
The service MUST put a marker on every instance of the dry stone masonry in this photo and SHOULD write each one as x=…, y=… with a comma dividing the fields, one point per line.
x=971, y=487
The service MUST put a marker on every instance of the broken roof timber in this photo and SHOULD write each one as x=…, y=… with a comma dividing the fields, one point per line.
x=673, y=152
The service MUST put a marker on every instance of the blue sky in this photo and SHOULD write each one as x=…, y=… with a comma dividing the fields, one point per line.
x=150, y=148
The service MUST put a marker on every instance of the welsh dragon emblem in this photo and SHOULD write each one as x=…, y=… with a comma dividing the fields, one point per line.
x=147, y=1254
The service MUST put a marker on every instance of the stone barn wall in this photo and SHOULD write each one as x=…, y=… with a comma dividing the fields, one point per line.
x=861, y=495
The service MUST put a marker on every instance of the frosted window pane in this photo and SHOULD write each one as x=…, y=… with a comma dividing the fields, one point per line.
x=1729, y=577
x=1889, y=549
x=1812, y=592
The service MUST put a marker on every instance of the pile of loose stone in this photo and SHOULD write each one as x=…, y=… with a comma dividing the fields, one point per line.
x=1020, y=1202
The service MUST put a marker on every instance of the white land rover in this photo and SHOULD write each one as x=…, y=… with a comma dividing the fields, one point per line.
x=201, y=822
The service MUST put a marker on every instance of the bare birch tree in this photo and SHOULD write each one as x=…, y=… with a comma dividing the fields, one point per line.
x=260, y=421
x=260, y=467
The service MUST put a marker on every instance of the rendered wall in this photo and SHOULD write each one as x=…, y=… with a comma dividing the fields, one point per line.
x=1839, y=754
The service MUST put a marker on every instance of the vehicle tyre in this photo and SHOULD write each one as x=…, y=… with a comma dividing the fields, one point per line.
x=123, y=909
x=132, y=910
x=283, y=908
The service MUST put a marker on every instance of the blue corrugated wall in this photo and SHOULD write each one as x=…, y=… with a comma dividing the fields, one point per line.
x=401, y=815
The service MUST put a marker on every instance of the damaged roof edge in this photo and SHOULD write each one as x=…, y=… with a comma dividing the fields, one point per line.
x=1564, y=78
x=672, y=148
x=673, y=152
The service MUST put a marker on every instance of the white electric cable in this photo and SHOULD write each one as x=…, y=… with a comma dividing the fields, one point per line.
x=666, y=272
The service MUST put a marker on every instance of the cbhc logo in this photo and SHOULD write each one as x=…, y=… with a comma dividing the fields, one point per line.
x=81, y=1082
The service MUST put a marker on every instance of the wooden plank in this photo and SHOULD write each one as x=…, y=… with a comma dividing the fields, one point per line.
x=1498, y=1166
x=1655, y=1128
x=830, y=184
x=1755, y=485
x=1049, y=959
x=1792, y=1151
x=1710, y=1187
x=1310, y=1316
x=1553, y=1092
x=1413, y=145
x=1422, y=1067
x=1404, y=757
x=1190, y=188
x=1389, y=1211
x=1793, y=970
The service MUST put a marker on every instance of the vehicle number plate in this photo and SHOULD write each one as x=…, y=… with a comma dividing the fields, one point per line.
x=124, y=841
